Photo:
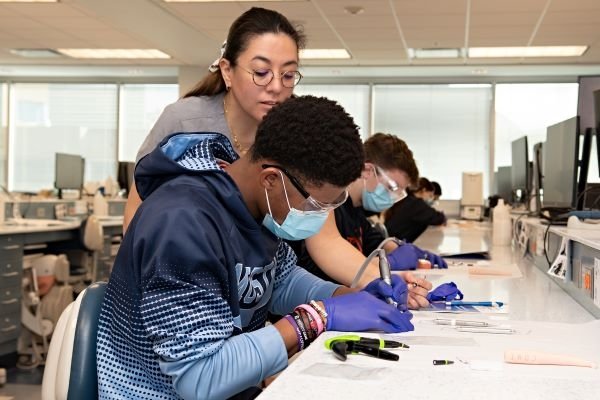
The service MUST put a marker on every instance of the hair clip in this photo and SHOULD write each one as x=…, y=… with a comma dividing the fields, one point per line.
x=214, y=67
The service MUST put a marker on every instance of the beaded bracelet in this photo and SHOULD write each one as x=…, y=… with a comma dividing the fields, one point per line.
x=292, y=322
x=314, y=329
x=309, y=324
x=321, y=312
x=315, y=316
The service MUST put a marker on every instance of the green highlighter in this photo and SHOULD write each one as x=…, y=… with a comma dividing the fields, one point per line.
x=372, y=342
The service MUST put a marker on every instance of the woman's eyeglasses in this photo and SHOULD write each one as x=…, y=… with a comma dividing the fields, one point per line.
x=262, y=77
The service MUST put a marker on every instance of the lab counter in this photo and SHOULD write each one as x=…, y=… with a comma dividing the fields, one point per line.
x=542, y=315
x=33, y=235
x=579, y=247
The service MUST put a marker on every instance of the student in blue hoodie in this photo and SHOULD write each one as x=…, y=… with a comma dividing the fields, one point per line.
x=203, y=260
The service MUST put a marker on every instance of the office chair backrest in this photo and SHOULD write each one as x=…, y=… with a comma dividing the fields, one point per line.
x=70, y=371
x=92, y=234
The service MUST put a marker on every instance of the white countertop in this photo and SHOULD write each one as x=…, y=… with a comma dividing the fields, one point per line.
x=317, y=374
x=42, y=225
x=546, y=319
x=33, y=227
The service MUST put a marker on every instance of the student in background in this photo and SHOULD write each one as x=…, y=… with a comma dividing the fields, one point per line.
x=389, y=170
x=408, y=218
x=437, y=191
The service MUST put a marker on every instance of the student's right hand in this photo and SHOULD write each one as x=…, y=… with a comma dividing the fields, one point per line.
x=361, y=311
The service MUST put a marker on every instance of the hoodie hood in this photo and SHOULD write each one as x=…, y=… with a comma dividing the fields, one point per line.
x=196, y=153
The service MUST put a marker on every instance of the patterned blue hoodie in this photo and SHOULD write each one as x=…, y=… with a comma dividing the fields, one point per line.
x=195, y=275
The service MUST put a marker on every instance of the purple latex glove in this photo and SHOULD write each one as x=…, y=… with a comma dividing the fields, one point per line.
x=445, y=292
x=361, y=311
x=397, y=292
x=405, y=257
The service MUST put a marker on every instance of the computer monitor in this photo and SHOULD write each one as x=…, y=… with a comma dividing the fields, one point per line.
x=537, y=185
x=504, y=184
x=125, y=174
x=565, y=165
x=68, y=172
x=520, y=176
x=586, y=105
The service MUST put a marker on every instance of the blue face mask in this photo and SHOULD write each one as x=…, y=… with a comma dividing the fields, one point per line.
x=378, y=200
x=297, y=225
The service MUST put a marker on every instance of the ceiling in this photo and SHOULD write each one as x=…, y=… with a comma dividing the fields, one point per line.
x=191, y=33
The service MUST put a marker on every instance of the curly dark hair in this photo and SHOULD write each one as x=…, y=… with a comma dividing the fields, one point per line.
x=390, y=152
x=312, y=137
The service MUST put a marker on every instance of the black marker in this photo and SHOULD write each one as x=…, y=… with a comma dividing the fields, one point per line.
x=342, y=348
x=373, y=351
x=442, y=362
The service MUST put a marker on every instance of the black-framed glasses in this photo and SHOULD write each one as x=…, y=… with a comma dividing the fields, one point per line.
x=262, y=77
x=292, y=179
x=309, y=204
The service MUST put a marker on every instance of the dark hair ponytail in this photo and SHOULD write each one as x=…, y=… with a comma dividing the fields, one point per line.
x=254, y=22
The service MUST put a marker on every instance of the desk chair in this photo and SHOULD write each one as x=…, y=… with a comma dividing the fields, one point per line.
x=82, y=253
x=71, y=364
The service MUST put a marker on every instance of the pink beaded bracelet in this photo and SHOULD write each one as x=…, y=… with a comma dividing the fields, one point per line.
x=315, y=315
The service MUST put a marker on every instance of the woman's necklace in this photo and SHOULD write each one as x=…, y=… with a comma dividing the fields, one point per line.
x=236, y=142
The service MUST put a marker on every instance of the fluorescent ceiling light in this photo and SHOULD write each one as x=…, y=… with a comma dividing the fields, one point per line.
x=114, y=53
x=435, y=53
x=28, y=1
x=324, y=54
x=468, y=85
x=529, y=51
x=223, y=1
x=35, y=53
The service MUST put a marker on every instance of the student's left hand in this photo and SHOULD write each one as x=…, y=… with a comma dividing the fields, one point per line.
x=418, y=289
x=406, y=257
x=398, y=291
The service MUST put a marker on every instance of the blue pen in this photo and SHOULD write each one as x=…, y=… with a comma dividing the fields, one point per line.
x=475, y=303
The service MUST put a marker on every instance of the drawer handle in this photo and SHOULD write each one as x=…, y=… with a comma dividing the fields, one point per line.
x=8, y=329
x=12, y=247
x=10, y=274
x=11, y=301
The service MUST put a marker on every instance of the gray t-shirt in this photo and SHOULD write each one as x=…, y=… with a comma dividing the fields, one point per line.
x=192, y=114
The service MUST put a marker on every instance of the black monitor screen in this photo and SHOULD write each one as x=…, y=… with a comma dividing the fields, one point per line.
x=538, y=166
x=504, y=184
x=520, y=164
x=68, y=173
x=125, y=174
x=561, y=155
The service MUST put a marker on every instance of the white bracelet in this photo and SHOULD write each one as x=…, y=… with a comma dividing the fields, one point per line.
x=319, y=309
